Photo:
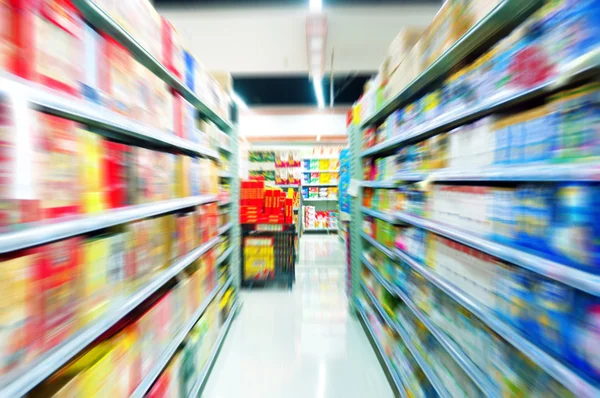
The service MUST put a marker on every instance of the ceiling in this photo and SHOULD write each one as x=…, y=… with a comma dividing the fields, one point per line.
x=263, y=43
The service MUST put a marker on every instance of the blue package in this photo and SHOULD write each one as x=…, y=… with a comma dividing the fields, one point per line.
x=190, y=70
x=554, y=304
x=502, y=153
x=576, y=233
x=584, y=335
x=534, y=219
x=519, y=299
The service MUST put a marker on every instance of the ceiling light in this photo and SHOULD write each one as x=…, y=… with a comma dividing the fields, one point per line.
x=318, y=85
x=239, y=101
x=315, y=5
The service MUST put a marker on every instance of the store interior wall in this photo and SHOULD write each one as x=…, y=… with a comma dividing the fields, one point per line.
x=272, y=40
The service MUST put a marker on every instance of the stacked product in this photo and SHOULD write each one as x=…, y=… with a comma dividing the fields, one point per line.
x=280, y=167
x=488, y=267
x=109, y=225
x=320, y=171
x=314, y=219
x=90, y=64
x=264, y=205
x=320, y=192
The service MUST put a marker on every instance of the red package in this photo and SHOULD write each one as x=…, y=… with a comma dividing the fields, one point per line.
x=173, y=55
x=115, y=173
x=61, y=193
x=57, y=276
x=116, y=78
x=178, y=122
x=49, y=43
x=7, y=45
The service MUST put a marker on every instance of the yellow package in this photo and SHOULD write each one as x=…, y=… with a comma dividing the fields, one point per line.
x=95, y=281
x=324, y=178
x=182, y=172
x=91, y=171
x=324, y=164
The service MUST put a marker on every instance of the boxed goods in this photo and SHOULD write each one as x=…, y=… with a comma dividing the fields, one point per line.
x=117, y=81
x=20, y=337
x=95, y=66
x=48, y=38
x=7, y=45
x=259, y=257
x=92, y=171
x=399, y=48
x=94, y=272
x=173, y=54
x=115, y=174
x=57, y=299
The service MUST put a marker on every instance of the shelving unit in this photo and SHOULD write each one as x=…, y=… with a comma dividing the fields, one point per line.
x=320, y=203
x=496, y=25
x=23, y=380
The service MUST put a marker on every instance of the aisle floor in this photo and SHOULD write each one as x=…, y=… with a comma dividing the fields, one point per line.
x=301, y=343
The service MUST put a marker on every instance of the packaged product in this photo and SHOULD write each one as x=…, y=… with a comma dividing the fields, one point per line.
x=515, y=302
x=116, y=262
x=49, y=42
x=117, y=81
x=534, y=217
x=575, y=234
x=57, y=300
x=173, y=56
x=399, y=48
x=577, y=118
x=585, y=334
x=553, y=308
x=95, y=66
x=94, y=276
x=60, y=194
x=19, y=338
x=7, y=45
x=91, y=150
x=115, y=174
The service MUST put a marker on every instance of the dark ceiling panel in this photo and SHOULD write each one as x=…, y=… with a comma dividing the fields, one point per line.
x=296, y=90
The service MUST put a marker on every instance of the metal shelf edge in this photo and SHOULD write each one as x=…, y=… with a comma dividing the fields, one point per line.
x=555, y=368
x=429, y=373
x=395, y=377
x=387, y=251
x=104, y=22
x=380, y=214
x=225, y=228
x=571, y=276
x=476, y=375
x=214, y=352
x=42, y=368
x=37, y=233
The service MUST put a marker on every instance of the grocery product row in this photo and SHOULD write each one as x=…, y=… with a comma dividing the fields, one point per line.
x=320, y=220
x=314, y=193
x=535, y=52
x=557, y=133
x=260, y=204
x=532, y=310
x=76, y=281
x=92, y=61
x=71, y=170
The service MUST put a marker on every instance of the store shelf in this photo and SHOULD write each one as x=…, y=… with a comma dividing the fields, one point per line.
x=22, y=382
x=579, y=384
x=225, y=148
x=583, y=172
x=39, y=233
x=321, y=158
x=94, y=115
x=162, y=362
x=380, y=215
x=429, y=373
x=579, y=70
x=224, y=256
x=224, y=174
x=225, y=203
x=478, y=377
x=287, y=186
x=398, y=386
x=411, y=176
x=223, y=230
x=199, y=385
x=320, y=199
x=321, y=185
x=103, y=22
x=571, y=276
x=379, y=184
x=507, y=14
x=387, y=251
x=319, y=229
x=321, y=171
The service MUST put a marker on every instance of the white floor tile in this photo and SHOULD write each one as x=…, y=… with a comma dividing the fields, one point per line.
x=301, y=343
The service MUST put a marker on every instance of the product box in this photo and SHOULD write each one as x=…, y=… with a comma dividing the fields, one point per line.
x=7, y=44
x=117, y=82
x=20, y=337
x=48, y=36
x=399, y=48
x=95, y=66
x=115, y=174
x=57, y=284
x=91, y=150
x=173, y=53
x=94, y=278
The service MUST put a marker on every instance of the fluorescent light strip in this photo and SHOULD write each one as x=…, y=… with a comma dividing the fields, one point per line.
x=315, y=5
x=318, y=84
x=239, y=101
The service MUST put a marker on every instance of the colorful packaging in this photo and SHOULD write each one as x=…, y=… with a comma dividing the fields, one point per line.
x=19, y=338
x=94, y=271
x=585, y=334
x=91, y=150
x=57, y=300
x=117, y=80
x=554, y=306
x=115, y=174
x=48, y=37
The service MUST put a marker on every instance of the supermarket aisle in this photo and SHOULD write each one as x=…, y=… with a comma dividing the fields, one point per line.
x=301, y=343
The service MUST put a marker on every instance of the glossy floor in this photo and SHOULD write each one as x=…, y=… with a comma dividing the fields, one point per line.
x=301, y=343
